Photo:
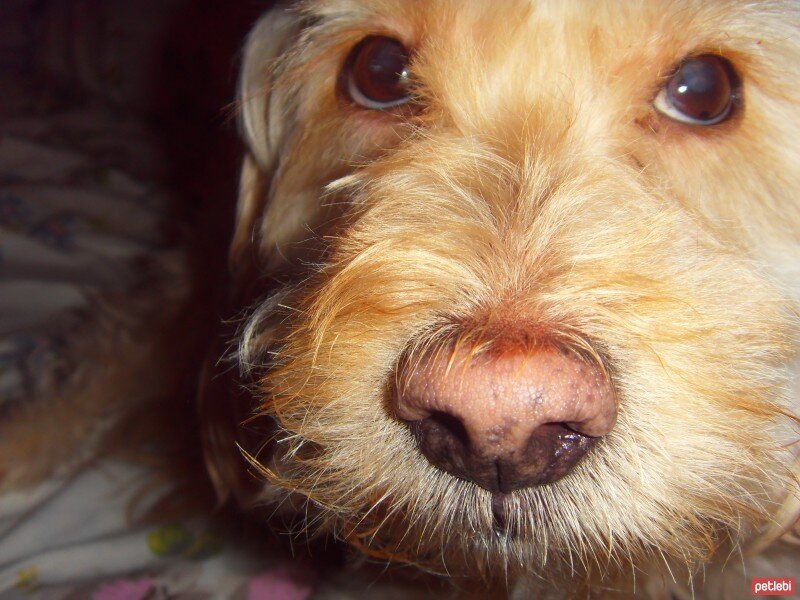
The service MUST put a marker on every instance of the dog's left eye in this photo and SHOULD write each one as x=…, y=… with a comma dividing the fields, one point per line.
x=376, y=73
x=701, y=92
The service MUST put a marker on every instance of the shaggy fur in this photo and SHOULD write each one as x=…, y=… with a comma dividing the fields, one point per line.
x=536, y=189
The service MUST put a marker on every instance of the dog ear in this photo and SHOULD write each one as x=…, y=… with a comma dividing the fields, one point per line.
x=263, y=117
x=223, y=403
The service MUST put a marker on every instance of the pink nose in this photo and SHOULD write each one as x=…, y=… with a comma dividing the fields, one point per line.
x=507, y=421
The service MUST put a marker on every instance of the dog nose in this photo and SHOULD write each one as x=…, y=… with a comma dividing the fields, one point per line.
x=505, y=421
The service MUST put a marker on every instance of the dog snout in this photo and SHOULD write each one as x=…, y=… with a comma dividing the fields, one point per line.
x=507, y=420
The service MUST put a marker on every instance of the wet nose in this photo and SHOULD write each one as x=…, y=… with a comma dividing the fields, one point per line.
x=505, y=421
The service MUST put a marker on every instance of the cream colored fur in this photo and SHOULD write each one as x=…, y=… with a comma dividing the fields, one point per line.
x=538, y=188
x=538, y=185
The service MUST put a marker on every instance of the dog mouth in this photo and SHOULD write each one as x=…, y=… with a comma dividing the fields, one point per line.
x=506, y=413
x=500, y=516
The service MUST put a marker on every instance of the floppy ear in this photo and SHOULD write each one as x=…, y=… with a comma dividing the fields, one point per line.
x=263, y=119
x=223, y=403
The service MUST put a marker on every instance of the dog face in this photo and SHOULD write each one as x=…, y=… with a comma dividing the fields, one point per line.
x=532, y=283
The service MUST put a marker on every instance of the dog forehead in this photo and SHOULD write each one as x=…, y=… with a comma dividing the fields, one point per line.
x=557, y=26
x=477, y=55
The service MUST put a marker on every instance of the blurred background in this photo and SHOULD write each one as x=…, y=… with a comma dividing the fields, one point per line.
x=117, y=141
x=145, y=86
x=119, y=160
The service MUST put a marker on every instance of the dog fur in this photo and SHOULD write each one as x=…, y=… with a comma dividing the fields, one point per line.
x=538, y=190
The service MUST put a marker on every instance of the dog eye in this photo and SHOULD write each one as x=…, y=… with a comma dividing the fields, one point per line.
x=377, y=73
x=701, y=92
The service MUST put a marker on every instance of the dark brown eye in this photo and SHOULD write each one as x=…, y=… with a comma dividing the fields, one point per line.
x=377, y=73
x=701, y=92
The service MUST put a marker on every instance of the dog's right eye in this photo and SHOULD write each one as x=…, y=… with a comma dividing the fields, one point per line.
x=376, y=73
x=703, y=91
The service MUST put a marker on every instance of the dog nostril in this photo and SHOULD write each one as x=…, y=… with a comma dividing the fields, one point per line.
x=563, y=446
x=449, y=424
x=443, y=440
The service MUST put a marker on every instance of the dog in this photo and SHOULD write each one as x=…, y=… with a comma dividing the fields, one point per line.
x=516, y=289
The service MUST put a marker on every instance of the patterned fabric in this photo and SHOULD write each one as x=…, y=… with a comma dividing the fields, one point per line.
x=68, y=230
x=72, y=538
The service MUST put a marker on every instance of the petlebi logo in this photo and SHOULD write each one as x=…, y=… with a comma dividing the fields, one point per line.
x=772, y=586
